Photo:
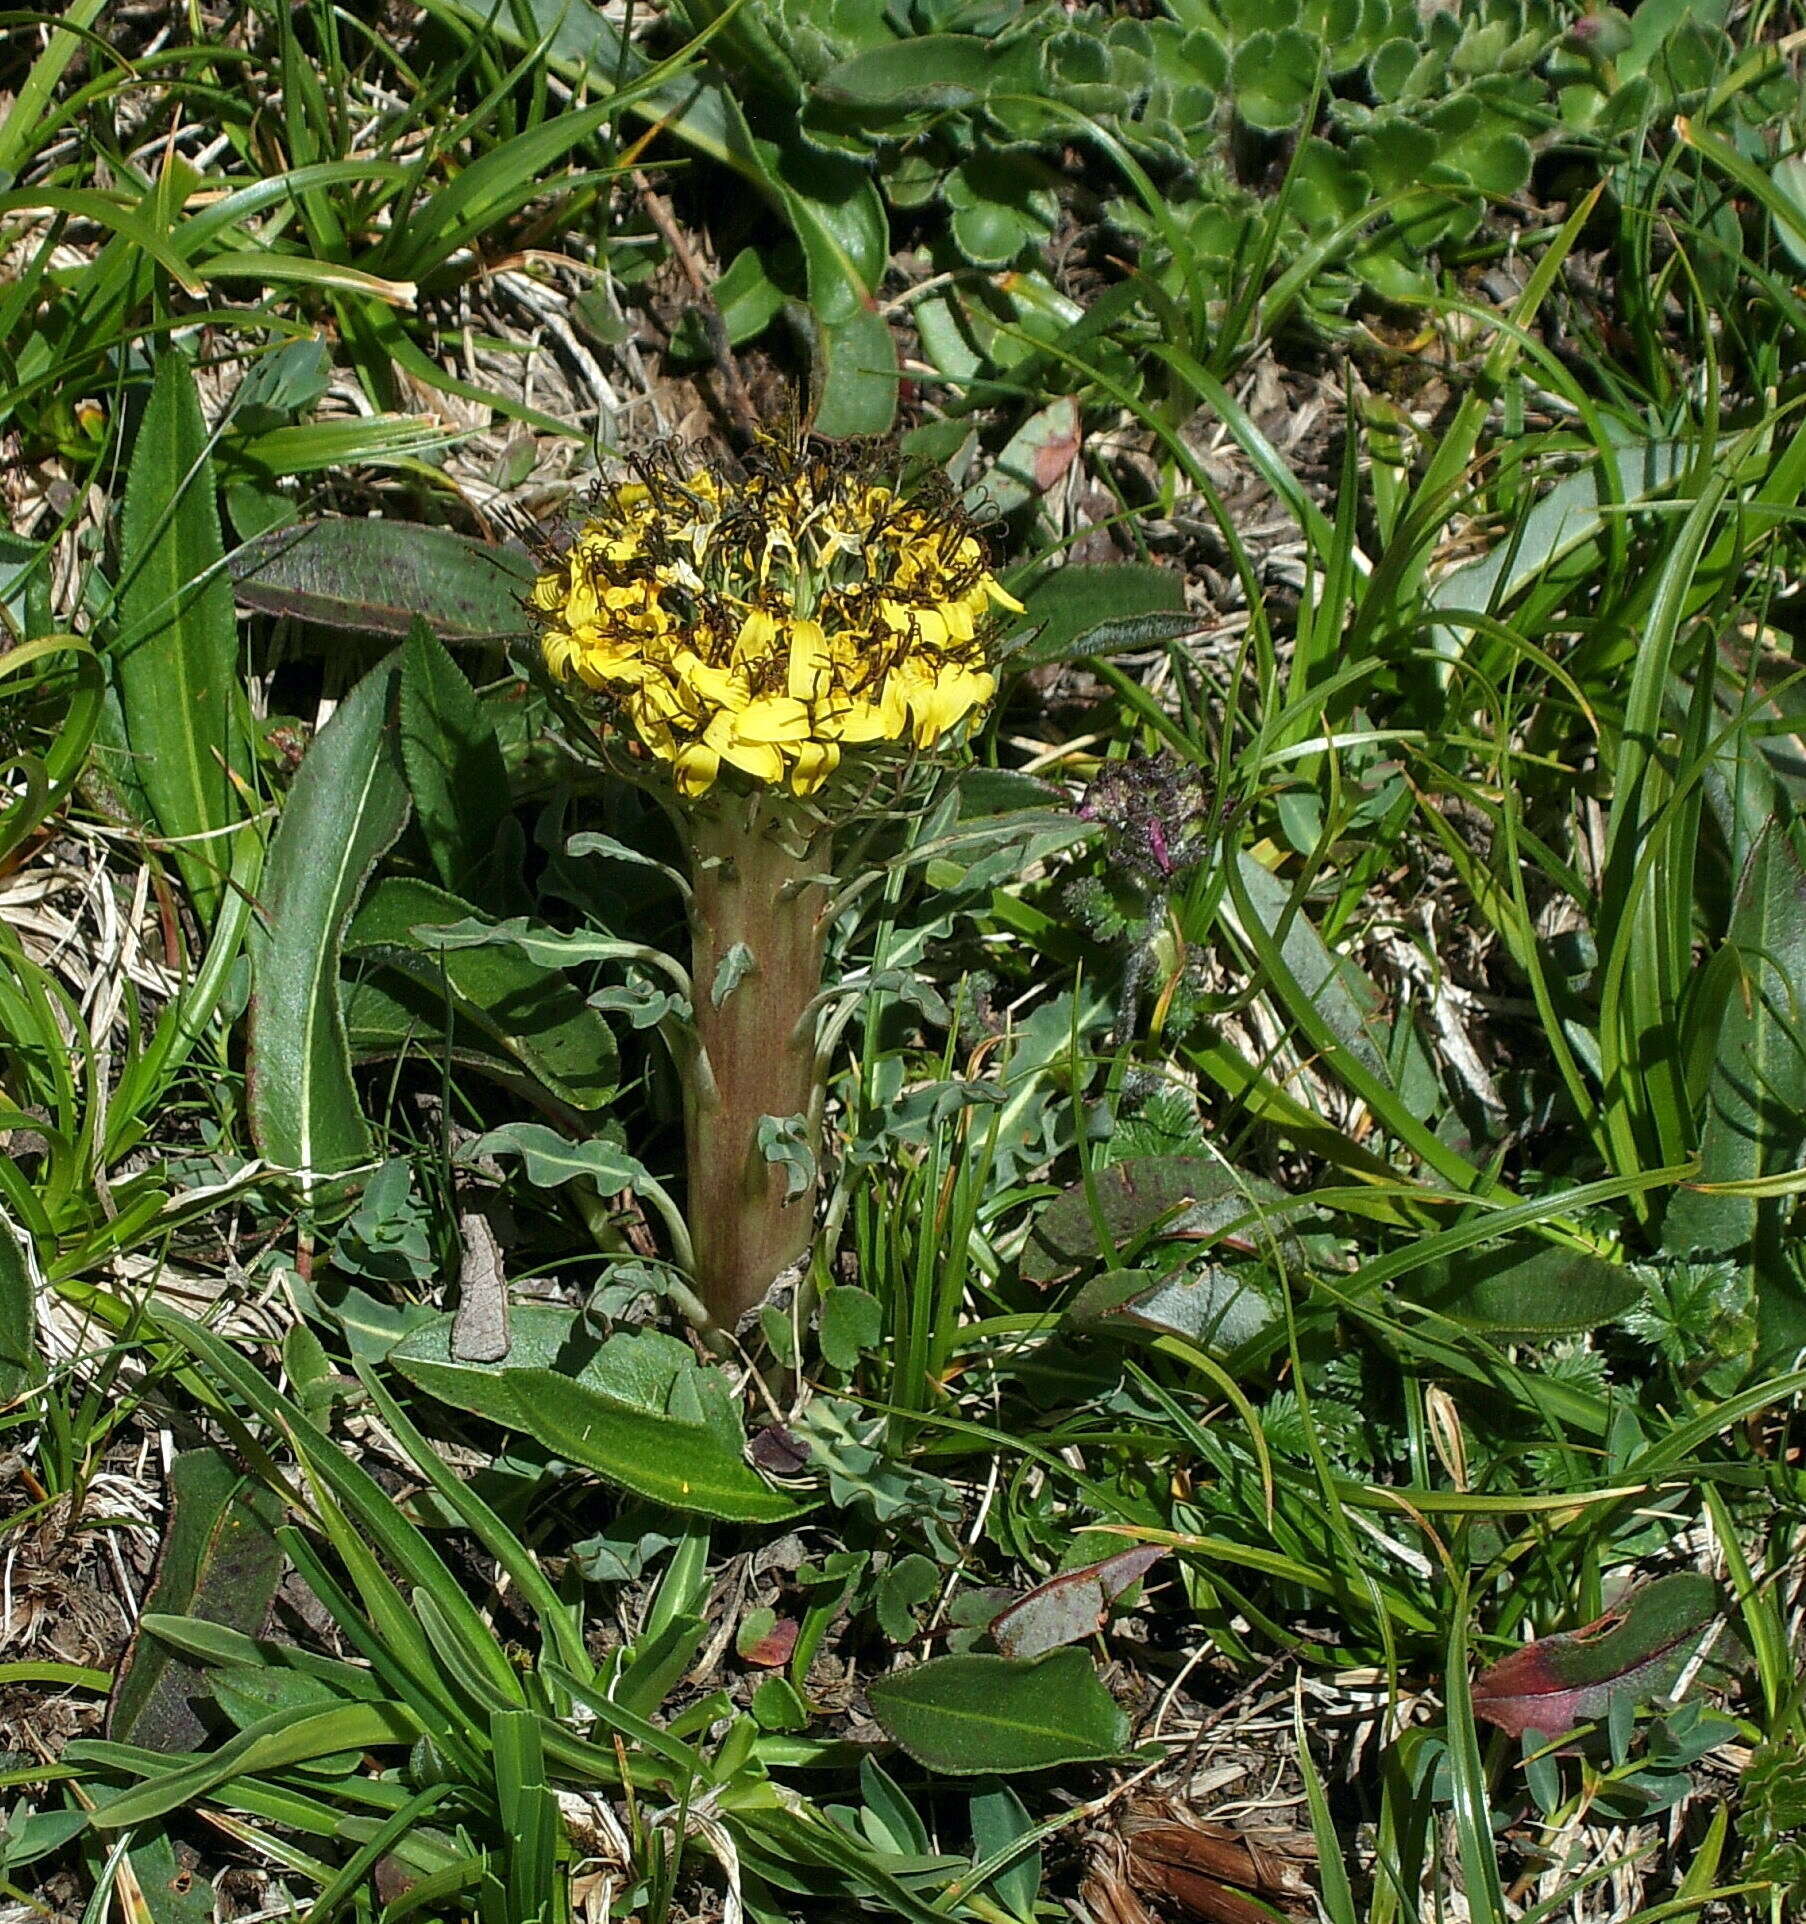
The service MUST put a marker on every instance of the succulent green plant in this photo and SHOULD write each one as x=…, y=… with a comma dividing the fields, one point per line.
x=964, y=109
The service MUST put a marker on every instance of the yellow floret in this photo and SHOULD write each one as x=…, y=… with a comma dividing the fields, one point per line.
x=767, y=624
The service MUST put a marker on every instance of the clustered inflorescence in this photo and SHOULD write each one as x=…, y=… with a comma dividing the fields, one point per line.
x=766, y=623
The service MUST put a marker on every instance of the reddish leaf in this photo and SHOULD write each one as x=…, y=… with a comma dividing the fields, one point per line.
x=772, y=1650
x=1638, y=1651
x=778, y=1451
x=1072, y=1605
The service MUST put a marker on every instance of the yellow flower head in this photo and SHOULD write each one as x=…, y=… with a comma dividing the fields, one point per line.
x=768, y=622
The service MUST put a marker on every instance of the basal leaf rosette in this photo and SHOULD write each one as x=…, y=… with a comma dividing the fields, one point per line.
x=771, y=623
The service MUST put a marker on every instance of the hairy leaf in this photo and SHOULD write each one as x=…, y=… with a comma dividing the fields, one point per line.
x=1181, y=1198
x=455, y=769
x=1101, y=610
x=683, y=1465
x=527, y=1012
x=1755, y=1119
x=1527, y=1289
x=19, y=1365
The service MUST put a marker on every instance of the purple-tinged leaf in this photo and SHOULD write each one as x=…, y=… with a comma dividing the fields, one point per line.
x=1072, y=1606
x=1638, y=1651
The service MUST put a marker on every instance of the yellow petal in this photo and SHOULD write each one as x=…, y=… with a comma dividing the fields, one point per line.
x=931, y=627
x=758, y=759
x=810, y=660
x=560, y=651
x=720, y=687
x=757, y=636
x=695, y=769
x=1002, y=597
x=815, y=762
x=937, y=705
x=772, y=718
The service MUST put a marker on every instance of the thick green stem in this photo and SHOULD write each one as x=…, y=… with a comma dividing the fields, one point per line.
x=756, y=946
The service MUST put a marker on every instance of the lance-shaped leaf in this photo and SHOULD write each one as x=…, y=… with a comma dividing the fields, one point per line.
x=1183, y=1198
x=683, y=1464
x=970, y=1714
x=220, y=1562
x=1756, y=1098
x=380, y=577
x=348, y=804
x=456, y=773
x=1525, y=1289
x=527, y=1013
x=1072, y=1606
x=637, y=1409
x=175, y=653
x=541, y=1336
x=19, y=1365
x=1206, y=1304
x=1637, y=1651
x=1102, y=610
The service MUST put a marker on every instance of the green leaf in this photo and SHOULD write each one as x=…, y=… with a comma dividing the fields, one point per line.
x=455, y=769
x=784, y=1140
x=486, y=192
x=175, y=656
x=252, y=1696
x=19, y=1365
x=852, y=1321
x=551, y=1159
x=1345, y=1000
x=1272, y=75
x=925, y=73
x=1526, y=1290
x=852, y=375
x=1207, y=1304
x=528, y=1013
x=641, y=1410
x=220, y=1563
x=1082, y=611
x=1571, y=512
x=577, y=38
x=528, y=1811
x=971, y=1714
x=25, y=584
x=748, y=299
x=1071, y=1606
x=683, y=1465
x=1755, y=1116
x=380, y=577
x=172, y=1892
x=1789, y=178
x=281, y=1743
x=541, y=1336
x=1180, y=1198
x=348, y=804
x=999, y=1825
x=1043, y=447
